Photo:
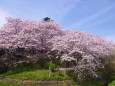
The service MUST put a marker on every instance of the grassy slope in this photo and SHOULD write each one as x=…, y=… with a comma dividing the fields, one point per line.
x=9, y=84
x=41, y=74
x=33, y=72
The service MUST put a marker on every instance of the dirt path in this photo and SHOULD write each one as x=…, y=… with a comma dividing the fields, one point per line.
x=65, y=69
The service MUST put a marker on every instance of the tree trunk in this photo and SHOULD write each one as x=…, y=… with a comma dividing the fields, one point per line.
x=67, y=64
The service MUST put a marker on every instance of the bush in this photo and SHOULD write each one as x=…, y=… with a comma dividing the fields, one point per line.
x=43, y=64
x=31, y=66
x=109, y=67
x=72, y=74
x=112, y=83
x=108, y=71
x=55, y=60
x=23, y=67
x=49, y=64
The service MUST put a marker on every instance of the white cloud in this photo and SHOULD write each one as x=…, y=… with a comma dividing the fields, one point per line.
x=91, y=17
x=3, y=16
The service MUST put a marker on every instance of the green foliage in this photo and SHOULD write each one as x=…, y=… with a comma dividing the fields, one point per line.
x=40, y=71
x=41, y=74
x=43, y=64
x=10, y=84
x=108, y=72
x=112, y=83
x=60, y=73
x=36, y=71
x=55, y=60
x=72, y=74
x=3, y=84
x=93, y=83
x=23, y=67
x=49, y=64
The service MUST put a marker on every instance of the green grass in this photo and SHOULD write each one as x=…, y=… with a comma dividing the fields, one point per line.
x=40, y=74
x=35, y=84
x=43, y=75
x=32, y=71
x=3, y=84
x=49, y=84
x=93, y=83
x=10, y=84
x=112, y=83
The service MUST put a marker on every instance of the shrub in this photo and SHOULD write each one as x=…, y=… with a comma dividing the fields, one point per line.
x=23, y=67
x=108, y=72
x=55, y=60
x=72, y=74
x=109, y=67
x=112, y=83
x=49, y=64
x=43, y=64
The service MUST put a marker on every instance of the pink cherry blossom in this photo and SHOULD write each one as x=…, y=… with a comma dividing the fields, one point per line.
x=83, y=48
x=90, y=47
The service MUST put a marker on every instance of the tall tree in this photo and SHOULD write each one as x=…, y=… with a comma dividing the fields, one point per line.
x=46, y=19
x=84, y=49
x=25, y=38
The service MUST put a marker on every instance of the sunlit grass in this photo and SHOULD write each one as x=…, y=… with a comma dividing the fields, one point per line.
x=112, y=83
x=40, y=74
x=32, y=72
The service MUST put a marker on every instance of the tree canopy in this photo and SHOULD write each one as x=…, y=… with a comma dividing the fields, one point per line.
x=83, y=48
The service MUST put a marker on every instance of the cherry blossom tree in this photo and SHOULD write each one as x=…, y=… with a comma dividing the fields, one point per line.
x=22, y=40
x=17, y=33
x=27, y=39
x=84, y=49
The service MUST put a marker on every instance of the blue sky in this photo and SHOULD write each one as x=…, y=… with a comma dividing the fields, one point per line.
x=93, y=16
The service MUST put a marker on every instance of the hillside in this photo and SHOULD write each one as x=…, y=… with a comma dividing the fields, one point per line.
x=37, y=43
